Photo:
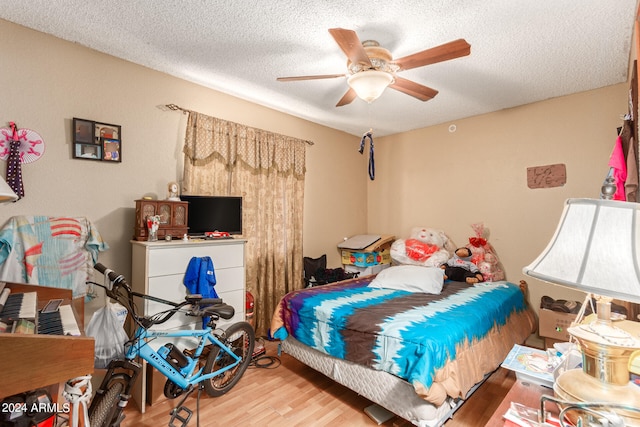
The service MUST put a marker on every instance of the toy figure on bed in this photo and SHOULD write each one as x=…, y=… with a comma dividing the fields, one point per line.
x=426, y=247
x=460, y=268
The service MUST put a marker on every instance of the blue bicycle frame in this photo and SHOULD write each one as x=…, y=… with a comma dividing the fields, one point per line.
x=182, y=377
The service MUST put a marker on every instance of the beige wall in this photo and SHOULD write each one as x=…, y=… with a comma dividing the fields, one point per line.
x=435, y=178
x=45, y=82
x=428, y=177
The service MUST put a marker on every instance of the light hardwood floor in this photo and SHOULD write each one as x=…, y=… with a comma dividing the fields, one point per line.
x=293, y=394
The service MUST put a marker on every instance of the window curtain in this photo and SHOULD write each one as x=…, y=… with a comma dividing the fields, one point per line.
x=267, y=170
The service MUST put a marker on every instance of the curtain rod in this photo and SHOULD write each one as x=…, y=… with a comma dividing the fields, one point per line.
x=174, y=107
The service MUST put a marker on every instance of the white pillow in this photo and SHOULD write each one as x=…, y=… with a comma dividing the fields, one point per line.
x=411, y=278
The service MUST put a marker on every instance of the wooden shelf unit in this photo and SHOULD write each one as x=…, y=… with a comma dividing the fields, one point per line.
x=173, y=218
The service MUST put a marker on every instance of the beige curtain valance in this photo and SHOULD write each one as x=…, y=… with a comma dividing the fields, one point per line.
x=208, y=137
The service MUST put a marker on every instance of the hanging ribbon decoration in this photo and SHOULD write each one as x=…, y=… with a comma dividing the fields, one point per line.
x=372, y=165
x=14, y=168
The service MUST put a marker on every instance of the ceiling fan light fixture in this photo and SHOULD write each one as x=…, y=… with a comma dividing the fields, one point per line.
x=370, y=84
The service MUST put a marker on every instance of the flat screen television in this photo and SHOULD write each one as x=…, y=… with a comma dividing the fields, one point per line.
x=213, y=213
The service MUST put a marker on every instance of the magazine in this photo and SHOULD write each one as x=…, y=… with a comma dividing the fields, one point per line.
x=530, y=364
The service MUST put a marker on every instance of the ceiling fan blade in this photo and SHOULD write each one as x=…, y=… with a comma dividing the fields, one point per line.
x=423, y=93
x=325, y=76
x=351, y=45
x=444, y=52
x=347, y=98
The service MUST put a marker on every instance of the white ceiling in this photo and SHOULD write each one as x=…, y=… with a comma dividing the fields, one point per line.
x=521, y=51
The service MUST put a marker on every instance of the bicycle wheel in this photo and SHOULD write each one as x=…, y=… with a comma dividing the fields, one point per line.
x=240, y=339
x=102, y=414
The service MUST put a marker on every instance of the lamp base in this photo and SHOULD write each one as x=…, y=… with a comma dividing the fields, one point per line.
x=576, y=386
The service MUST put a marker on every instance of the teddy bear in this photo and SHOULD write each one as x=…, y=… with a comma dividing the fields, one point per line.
x=425, y=246
x=460, y=268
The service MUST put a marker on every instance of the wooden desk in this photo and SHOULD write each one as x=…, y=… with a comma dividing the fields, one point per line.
x=35, y=361
x=525, y=393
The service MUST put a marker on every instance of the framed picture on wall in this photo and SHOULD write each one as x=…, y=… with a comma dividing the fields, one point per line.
x=103, y=130
x=82, y=131
x=111, y=150
x=87, y=151
x=96, y=141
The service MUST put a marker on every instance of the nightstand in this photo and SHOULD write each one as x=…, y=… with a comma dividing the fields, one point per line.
x=521, y=392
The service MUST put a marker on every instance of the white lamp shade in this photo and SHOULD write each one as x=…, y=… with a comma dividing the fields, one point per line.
x=594, y=249
x=6, y=193
x=370, y=84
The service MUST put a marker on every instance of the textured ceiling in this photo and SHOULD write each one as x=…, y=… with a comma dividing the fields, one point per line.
x=521, y=51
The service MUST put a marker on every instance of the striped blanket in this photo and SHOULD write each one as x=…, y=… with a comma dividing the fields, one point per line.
x=410, y=335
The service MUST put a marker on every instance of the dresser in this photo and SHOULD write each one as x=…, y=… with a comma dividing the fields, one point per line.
x=158, y=269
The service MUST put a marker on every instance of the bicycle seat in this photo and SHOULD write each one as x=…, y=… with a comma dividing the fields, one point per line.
x=224, y=311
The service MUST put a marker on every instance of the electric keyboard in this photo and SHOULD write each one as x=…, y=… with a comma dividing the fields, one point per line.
x=61, y=322
x=24, y=306
x=19, y=305
x=31, y=361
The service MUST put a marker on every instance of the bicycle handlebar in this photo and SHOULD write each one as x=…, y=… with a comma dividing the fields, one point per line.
x=117, y=281
x=115, y=278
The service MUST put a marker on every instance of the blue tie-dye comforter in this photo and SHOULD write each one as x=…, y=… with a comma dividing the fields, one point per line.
x=410, y=335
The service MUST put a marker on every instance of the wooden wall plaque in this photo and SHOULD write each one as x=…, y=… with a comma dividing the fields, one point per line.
x=547, y=176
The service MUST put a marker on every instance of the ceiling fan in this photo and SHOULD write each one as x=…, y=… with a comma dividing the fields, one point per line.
x=371, y=68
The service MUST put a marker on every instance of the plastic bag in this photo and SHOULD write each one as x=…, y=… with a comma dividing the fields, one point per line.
x=110, y=336
x=483, y=255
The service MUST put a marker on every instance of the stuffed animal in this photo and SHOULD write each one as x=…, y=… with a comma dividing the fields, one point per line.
x=425, y=246
x=460, y=268
x=483, y=255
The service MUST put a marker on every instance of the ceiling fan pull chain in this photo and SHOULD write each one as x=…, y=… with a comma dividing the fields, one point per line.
x=372, y=165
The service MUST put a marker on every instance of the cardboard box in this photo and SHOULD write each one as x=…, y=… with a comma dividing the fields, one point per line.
x=366, y=259
x=377, y=253
x=554, y=324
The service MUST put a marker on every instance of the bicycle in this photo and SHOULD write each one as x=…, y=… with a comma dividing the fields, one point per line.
x=216, y=364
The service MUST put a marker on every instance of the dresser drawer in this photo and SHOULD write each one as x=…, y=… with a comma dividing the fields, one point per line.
x=234, y=298
x=172, y=260
x=229, y=286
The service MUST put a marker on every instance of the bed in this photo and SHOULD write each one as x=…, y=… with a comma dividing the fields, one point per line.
x=417, y=354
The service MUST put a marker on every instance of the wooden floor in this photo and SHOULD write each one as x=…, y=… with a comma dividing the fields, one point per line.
x=292, y=394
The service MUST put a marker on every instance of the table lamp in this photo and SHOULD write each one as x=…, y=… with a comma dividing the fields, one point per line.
x=596, y=249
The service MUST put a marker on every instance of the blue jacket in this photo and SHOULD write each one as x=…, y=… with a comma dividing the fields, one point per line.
x=200, y=277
